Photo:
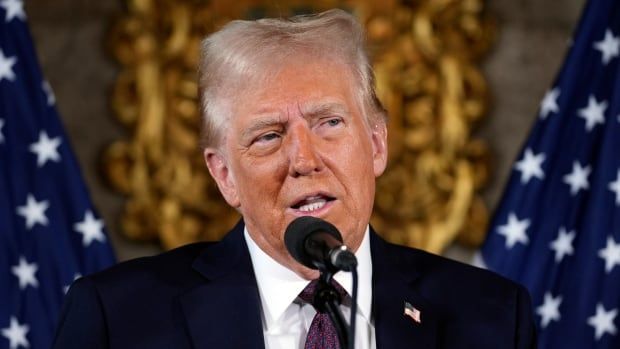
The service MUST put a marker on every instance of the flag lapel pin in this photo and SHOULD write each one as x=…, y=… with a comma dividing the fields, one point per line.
x=413, y=312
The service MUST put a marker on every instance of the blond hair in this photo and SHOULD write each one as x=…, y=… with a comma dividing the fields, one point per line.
x=244, y=52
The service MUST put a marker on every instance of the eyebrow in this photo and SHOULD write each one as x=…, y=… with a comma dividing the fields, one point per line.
x=311, y=111
x=323, y=109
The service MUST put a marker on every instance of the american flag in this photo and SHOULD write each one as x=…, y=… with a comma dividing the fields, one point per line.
x=49, y=231
x=412, y=312
x=557, y=228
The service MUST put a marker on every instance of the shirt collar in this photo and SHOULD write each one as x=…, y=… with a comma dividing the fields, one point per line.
x=279, y=286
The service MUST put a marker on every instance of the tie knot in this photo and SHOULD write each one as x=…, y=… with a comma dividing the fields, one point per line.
x=308, y=293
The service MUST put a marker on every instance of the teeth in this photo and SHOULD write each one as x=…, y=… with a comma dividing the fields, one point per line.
x=313, y=206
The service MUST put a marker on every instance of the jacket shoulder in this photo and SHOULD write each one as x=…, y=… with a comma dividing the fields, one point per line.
x=472, y=302
x=448, y=274
x=172, y=268
x=120, y=306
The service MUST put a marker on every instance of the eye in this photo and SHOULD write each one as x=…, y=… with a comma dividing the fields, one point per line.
x=330, y=126
x=332, y=121
x=267, y=137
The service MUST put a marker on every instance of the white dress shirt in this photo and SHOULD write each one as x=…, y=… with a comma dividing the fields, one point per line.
x=286, y=319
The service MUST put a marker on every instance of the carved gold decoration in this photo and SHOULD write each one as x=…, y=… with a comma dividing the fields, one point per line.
x=424, y=54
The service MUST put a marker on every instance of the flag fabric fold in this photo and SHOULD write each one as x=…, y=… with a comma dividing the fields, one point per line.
x=557, y=228
x=49, y=230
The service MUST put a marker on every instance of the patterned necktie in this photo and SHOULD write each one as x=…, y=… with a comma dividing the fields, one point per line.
x=322, y=333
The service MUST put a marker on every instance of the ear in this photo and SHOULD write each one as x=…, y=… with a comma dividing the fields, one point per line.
x=379, y=147
x=221, y=173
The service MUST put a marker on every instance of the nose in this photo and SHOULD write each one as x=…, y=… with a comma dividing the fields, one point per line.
x=304, y=158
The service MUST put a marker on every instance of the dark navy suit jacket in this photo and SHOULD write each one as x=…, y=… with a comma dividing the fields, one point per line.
x=205, y=295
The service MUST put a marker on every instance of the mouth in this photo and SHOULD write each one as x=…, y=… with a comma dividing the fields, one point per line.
x=312, y=203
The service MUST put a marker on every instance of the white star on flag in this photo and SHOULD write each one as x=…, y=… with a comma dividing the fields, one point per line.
x=611, y=254
x=549, y=103
x=16, y=334
x=603, y=321
x=549, y=310
x=578, y=178
x=33, y=211
x=13, y=8
x=514, y=230
x=46, y=148
x=530, y=166
x=47, y=88
x=24, y=272
x=615, y=187
x=563, y=244
x=6, y=66
x=609, y=46
x=593, y=113
x=1, y=135
x=90, y=228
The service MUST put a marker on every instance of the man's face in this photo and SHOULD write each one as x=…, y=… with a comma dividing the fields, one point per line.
x=300, y=145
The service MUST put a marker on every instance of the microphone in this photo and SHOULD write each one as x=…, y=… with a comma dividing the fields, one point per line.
x=317, y=244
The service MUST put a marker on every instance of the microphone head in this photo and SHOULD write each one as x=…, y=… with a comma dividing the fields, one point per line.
x=299, y=230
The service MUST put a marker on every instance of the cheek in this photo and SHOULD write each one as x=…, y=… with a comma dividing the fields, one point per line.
x=261, y=177
x=359, y=158
x=355, y=167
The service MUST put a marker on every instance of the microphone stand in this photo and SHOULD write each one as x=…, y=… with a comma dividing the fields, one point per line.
x=327, y=300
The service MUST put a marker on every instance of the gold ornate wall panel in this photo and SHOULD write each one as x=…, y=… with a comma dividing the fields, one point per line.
x=425, y=54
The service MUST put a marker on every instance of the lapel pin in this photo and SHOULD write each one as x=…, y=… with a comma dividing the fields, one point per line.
x=412, y=312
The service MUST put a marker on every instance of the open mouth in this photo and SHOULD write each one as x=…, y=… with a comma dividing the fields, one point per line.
x=312, y=203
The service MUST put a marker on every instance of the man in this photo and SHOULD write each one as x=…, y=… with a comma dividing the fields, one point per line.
x=292, y=127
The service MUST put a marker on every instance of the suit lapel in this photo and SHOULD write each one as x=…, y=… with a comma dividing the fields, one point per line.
x=394, y=283
x=224, y=311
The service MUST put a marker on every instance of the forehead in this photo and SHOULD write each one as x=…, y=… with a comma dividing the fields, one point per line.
x=298, y=87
